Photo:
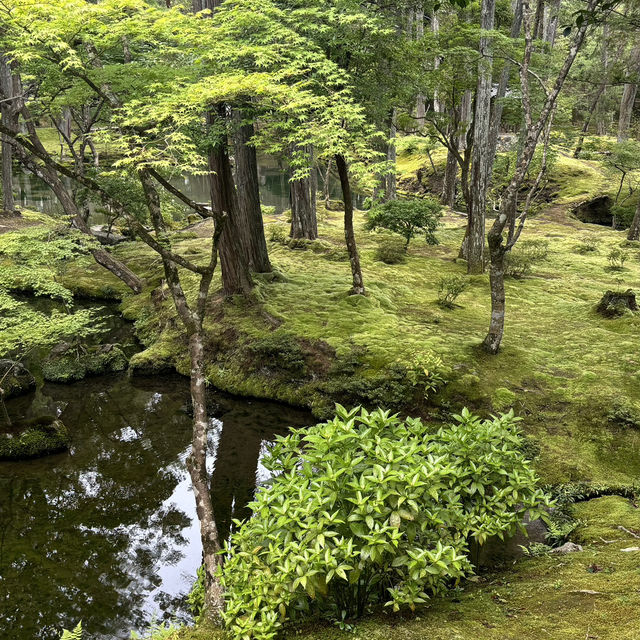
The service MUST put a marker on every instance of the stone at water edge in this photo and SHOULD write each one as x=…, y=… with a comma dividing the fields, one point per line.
x=15, y=379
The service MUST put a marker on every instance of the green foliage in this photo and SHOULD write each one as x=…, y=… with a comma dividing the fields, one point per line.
x=76, y=634
x=278, y=233
x=503, y=399
x=391, y=251
x=624, y=414
x=617, y=257
x=520, y=260
x=449, y=288
x=588, y=244
x=427, y=373
x=33, y=441
x=407, y=218
x=79, y=363
x=370, y=508
x=277, y=351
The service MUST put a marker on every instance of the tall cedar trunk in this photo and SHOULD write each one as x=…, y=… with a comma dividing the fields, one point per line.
x=9, y=119
x=629, y=94
x=420, y=104
x=249, y=209
x=634, y=229
x=480, y=164
x=501, y=92
x=497, y=254
x=435, y=29
x=551, y=22
x=233, y=260
x=448, y=196
x=304, y=223
x=354, y=258
x=197, y=465
x=390, y=190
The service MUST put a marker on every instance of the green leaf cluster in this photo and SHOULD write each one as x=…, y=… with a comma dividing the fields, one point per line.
x=369, y=508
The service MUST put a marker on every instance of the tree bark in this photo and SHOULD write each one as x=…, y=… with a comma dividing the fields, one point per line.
x=356, y=272
x=234, y=265
x=634, y=229
x=304, y=223
x=9, y=119
x=250, y=212
x=390, y=189
x=448, y=196
x=551, y=22
x=629, y=94
x=587, y=120
x=480, y=164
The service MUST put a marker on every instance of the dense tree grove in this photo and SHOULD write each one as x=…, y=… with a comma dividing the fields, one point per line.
x=112, y=104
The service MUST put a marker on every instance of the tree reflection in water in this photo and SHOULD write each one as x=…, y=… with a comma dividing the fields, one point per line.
x=107, y=533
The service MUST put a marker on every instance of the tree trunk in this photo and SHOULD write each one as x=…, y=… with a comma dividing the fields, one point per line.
x=354, y=258
x=390, y=190
x=233, y=260
x=634, y=229
x=197, y=465
x=587, y=120
x=448, y=196
x=9, y=119
x=303, y=221
x=629, y=95
x=249, y=209
x=480, y=165
x=493, y=338
x=551, y=22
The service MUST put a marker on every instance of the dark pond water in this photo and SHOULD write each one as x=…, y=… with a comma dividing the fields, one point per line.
x=32, y=193
x=107, y=533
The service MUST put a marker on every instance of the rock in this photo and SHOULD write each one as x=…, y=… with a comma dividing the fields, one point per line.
x=35, y=440
x=15, y=379
x=567, y=547
x=616, y=303
x=630, y=549
x=105, y=236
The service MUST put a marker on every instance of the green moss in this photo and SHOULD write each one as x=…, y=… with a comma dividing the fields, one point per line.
x=34, y=441
x=503, y=399
x=602, y=517
x=72, y=366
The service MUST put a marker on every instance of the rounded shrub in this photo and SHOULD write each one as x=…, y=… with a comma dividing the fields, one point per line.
x=391, y=251
x=370, y=509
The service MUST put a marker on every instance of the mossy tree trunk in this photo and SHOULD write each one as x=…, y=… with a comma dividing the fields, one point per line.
x=250, y=212
x=9, y=116
x=304, y=223
x=629, y=94
x=354, y=259
x=634, y=229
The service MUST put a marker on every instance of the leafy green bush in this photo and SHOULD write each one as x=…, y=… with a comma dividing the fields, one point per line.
x=279, y=351
x=589, y=244
x=407, y=217
x=278, y=233
x=449, y=288
x=617, y=257
x=391, y=251
x=624, y=414
x=368, y=508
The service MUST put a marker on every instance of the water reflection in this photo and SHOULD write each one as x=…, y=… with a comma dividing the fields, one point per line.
x=107, y=533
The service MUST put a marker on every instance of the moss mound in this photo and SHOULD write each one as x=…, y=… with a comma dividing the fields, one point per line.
x=15, y=379
x=70, y=367
x=35, y=441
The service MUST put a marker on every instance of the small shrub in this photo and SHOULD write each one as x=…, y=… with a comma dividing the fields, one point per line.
x=503, y=399
x=449, y=288
x=391, y=251
x=279, y=351
x=427, y=372
x=617, y=257
x=368, y=508
x=536, y=550
x=588, y=244
x=537, y=249
x=278, y=233
x=520, y=260
x=624, y=414
x=407, y=218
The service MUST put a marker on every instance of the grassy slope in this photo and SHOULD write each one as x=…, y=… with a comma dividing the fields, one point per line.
x=565, y=363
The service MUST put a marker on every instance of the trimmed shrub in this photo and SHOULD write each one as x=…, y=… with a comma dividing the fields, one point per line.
x=391, y=251
x=407, y=217
x=368, y=508
x=449, y=288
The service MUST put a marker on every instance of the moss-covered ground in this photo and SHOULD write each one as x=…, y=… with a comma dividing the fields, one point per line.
x=302, y=339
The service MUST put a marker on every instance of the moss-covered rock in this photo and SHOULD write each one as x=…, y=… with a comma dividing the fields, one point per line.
x=34, y=441
x=15, y=379
x=71, y=365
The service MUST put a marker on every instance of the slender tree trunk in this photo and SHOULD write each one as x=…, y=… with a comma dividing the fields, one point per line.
x=551, y=22
x=303, y=221
x=9, y=119
x=354, y=258
x=438, y=107
x=448, y=196
x=587, y=120
x=493, y=338
x=249, y=209
x=313, y=185
x=197, y=465
x=480, y=164
x=236, y=278
x=634, y=229
x=629, y=95
x=420, y=103
x=390, y=189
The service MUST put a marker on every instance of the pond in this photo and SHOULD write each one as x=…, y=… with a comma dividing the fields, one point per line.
x=32, y=193
x=107, y=533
